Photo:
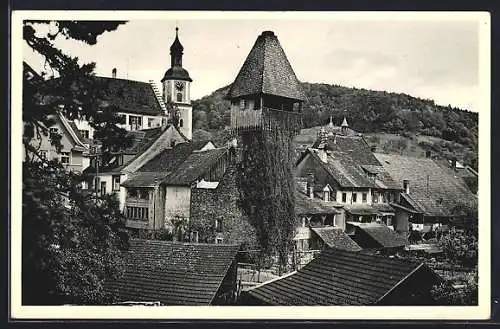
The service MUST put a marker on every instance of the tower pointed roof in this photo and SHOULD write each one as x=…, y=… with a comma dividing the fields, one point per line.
x=176, y=46
x=344, y=123
x=266, y=70
x=176, y=71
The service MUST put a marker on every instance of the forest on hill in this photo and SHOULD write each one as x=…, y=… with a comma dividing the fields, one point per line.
x=367, y=111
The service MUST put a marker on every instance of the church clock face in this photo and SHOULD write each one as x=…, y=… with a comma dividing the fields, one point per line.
x=179, y=85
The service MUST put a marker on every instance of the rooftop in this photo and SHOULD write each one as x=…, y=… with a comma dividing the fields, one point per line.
x=335, y=237
x=266, y=70
x=338, y=277
x=307, y=206
x=434, y=190
x=173, y=273
x=382, y=236
x=195, y=166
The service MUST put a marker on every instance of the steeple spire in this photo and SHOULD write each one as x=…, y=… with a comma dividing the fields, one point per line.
x=176, y=50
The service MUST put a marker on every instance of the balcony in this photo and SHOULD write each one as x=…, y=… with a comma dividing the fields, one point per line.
x=265, y=119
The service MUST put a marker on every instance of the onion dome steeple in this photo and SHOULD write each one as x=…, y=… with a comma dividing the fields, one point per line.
x=176, y=71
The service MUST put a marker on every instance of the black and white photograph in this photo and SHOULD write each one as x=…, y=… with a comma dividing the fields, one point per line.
x=237, y=159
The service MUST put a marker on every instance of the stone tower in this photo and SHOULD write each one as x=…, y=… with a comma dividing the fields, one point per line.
x=176, y=89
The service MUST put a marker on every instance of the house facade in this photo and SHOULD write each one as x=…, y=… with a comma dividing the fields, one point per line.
x=341, y=168
x=74, y=154
x=163, y=187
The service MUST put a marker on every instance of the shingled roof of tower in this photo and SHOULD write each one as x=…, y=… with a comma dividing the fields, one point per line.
x=266, y=70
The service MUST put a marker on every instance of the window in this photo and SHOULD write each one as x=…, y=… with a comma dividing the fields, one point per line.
x=219, y=240
x=364, y=195
x=389, y=221
x=137, y=213
x=327, y=195
x=139, y=193
x=43, y=154
x=103, y=188
x=181, y=123
x=179, y=97
x=65, y=156
x=218, y=225
x=194, y=236
x=116, y=183
x=85, y=133
x=354, y=197
x=122, y=118
x=54, y=130
x=344, y=197
x=150, y=122
x=135, y=122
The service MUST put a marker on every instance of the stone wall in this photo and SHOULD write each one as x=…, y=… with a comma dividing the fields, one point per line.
x=221, y=204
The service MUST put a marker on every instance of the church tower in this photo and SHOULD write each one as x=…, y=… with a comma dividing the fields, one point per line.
x=176, y=89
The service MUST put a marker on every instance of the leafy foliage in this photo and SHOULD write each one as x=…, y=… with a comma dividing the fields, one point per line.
x=72, y=242
x=460, y=246
x=266, y=186
x=367, y=111
x=74, y=93
x=460, y=291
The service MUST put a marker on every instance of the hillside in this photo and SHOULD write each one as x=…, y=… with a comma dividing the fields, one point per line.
x=447, y=131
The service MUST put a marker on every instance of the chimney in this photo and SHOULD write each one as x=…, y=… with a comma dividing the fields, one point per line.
x=428, y=153
x=406, y=186
x=113, y=73
x=454, y=163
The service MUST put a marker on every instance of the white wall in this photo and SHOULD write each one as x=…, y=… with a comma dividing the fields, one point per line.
x=177, y=202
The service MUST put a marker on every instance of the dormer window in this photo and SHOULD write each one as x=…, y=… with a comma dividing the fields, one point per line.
x=326, y=195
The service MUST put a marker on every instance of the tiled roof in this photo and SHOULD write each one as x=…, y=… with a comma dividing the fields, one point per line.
x=382, y=207
x=173, y=273
x=433, y=188
x=141, y=141
x=361, y=209
x=307, y=206
x=144, y=179
x=338, y=277
x=336, y=238
x=266, y=70
x=170, y=159
x=350, y=161
x=195, y=165
x=129, y=96
x=381, y=234
x=352, y=147
x=125, y=95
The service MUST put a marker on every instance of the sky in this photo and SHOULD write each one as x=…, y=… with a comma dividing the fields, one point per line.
x=429, y=58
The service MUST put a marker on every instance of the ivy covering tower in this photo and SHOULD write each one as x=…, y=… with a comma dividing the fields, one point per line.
x=266, y=104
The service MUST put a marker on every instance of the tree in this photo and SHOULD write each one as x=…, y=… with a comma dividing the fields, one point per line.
x=460, y=246
x=462, y=290
x=72, y=242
